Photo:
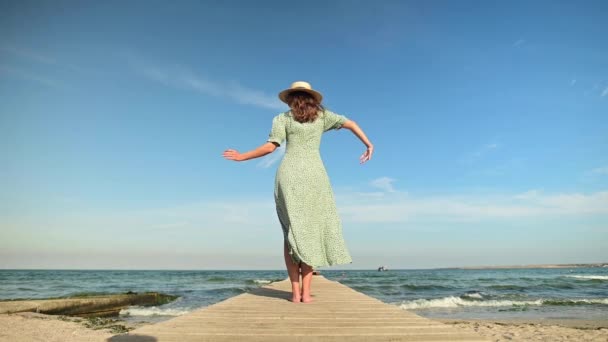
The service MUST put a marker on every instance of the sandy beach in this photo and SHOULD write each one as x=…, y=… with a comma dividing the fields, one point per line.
x=29, y=326
x=38, y=327
x=536, y=330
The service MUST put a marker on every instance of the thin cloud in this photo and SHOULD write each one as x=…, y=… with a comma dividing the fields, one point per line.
x=25, y=53
x=528, y=195
x=402, y=208
x=26, y=74
x=383, y=183
x=40, y=58
x=572, y=82
x=499, y=168
x=270, y=159
x=171, y=225
x=30, y=76
x=519, y=43
x=605, y=92
x=600, y=171
x=258, y=213
x=485, y=149
x=480, y=152
x=180, y=77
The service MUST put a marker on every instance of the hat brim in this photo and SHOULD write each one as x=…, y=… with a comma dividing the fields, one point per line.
x=283, y=95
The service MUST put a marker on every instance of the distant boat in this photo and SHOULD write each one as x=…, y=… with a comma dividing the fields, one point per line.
x=382, y=268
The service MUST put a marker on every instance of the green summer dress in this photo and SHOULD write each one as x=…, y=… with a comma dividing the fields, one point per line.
x=303, y=195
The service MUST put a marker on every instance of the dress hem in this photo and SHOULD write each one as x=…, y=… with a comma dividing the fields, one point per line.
x=301, y=260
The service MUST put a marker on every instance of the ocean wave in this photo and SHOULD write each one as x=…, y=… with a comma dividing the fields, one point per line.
x=456, y=302
x=423, y=287
x=589, y=277
x=26, y=289
x=475, y=295
x=575, y=301
x=216, y=279
x=385, y=287
x=225, y=291
x=262, y=281
x=151, y=311
x=560, y=285
x=362, y=288
x=508, y=287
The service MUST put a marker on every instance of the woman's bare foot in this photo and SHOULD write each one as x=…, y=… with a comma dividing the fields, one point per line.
x=296, y=298
x=306, y=298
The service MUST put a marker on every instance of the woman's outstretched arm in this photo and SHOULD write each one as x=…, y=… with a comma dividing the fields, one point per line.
x=258, y=152
x=353, y=127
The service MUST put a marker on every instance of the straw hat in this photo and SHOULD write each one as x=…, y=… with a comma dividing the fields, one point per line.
x=300, y=86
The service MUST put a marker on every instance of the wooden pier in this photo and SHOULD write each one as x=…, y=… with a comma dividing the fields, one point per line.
x=337, y=313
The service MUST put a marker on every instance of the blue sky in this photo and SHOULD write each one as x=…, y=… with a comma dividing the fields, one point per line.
x=489, y=121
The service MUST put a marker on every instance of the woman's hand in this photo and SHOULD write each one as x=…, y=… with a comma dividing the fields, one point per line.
x=353, y=127
x=367, y=155
x=233, y=155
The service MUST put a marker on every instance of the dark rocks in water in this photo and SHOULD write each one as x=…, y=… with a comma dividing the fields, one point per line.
x=89, y=306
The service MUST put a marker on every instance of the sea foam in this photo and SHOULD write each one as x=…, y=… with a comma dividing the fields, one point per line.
x=456, y=302
x=475, y=295
x=590, y=277
x=151, y=311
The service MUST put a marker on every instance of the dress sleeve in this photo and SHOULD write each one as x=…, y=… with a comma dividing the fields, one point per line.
x=333, y=120
x=278, y=131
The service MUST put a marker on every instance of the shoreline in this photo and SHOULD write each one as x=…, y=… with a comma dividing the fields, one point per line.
x=472, y=267
x=531, y=266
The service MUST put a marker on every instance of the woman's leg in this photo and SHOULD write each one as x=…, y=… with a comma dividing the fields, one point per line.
x=294, y=275
x=306, y=281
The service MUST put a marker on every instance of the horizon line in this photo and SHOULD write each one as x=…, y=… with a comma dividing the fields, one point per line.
x=561, y=265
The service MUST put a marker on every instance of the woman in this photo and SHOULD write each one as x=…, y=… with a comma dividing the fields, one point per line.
x=303, y=196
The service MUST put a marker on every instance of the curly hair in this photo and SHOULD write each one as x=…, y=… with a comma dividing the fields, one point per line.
x=305, y=107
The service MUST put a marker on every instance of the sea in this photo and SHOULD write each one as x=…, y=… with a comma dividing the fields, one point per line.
x=559, y=293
